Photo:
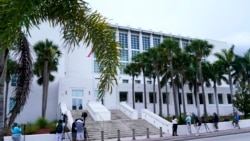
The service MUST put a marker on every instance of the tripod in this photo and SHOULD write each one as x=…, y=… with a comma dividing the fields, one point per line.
x=206, y=127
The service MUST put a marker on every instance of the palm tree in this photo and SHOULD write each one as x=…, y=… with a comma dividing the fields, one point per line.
x=77, y=22
x=11, y=70
x=200, y=49
x=171, y=47
x=133, y=70
x=141, y=59
x=213, y=72
x=182, y=61
x=190, y=74
x=155, y=59
x=227, y=61
x=47, y=61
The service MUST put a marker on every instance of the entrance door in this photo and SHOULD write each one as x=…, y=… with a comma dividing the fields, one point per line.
x=77, y=99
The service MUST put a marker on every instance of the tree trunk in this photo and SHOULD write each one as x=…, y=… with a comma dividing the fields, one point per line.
x=183, y=96
x=45, y=89
x=202, y=88
x=145, y=93
x=167, y=97
x=174, y=90
x=6, y=99
x=133, y=92
x=3, y=62
x=197, y=101
x=231, y=88
x=154, y=95
x=216, y=98
x=160, y=95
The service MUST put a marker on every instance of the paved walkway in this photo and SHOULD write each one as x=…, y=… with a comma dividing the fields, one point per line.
x=186, y=137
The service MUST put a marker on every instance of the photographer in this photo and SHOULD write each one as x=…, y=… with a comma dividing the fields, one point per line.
x=16, y=132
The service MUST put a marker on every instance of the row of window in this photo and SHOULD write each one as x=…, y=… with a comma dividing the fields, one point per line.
x=189, y=97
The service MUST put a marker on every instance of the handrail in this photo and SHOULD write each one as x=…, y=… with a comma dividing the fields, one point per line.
x=127, y=110
x=156, y=120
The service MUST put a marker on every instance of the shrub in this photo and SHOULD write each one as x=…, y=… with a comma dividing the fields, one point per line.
x=42, y=123
x=31, y=128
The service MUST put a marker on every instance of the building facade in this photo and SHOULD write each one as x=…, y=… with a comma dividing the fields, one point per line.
x=78, y=76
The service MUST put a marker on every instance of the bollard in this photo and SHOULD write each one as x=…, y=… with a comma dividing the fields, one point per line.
x=160, y=131
x=102, y=135
x=133, y=130
x=118, y=135
x=147, y=133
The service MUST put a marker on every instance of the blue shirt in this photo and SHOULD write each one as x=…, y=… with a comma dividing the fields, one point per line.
x=188, y=120
x=16, y=130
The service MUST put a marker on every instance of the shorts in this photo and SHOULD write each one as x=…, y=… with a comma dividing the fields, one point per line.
x=80, y=136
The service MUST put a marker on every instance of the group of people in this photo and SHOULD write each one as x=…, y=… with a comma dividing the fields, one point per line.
x=77, y=129
x=197, y=123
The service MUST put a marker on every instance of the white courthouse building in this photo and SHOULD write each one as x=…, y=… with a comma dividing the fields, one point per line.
x=78, y=76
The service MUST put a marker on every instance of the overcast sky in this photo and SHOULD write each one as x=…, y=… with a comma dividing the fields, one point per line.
x=223, y=20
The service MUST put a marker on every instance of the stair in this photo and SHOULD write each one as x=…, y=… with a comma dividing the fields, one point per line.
x=119, y=121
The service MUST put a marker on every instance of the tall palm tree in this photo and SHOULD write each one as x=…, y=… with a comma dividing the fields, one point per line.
x=200, y=49
x=213, y=73
x=182, y=61
x=142, y=60
x=227, y=61
x=77, y=23
x=155, y=59
x=46, y=62
x=133, y=70
x=11, y=70
x=171, y=47
x=191, y=75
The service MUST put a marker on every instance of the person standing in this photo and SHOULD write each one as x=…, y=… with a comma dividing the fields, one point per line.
x=73, y=130
x=59, y=130
x=79, y=130
x=16, y=132
x=236, y=120
x=196, y=123
x=216, y=120
x=175, y=125
x=188, y=123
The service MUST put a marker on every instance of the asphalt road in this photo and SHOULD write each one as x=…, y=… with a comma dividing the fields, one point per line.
x=234, y=137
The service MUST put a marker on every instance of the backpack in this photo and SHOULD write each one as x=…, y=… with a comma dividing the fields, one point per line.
x=59, y=128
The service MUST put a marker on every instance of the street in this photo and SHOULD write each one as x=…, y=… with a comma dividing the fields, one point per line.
x=233, y=137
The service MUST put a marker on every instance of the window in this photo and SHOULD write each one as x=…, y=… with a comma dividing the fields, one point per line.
x=135, y=52
x=123, y=55
x=77, y=96
x=124, y=80
x=220, y=98
x=96, y=67
x=138, y=97
x=210, y=98
x=184, y=43
x=156, y=41
x=145, y=42
x=149, y=82
x=201, y=98
x=137, y=81
x=151, y=100
x=229, y=99
x=189, y=98
x=14, y=80
x=122, y=67
x=165, y=98
x=123, y=39
x=135, y=41
x=96, y=93
x=123, y=96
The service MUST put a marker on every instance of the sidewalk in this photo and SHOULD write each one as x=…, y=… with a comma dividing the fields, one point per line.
x=186, y=137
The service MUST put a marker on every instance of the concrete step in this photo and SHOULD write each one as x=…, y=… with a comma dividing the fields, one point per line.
x=119, y=121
